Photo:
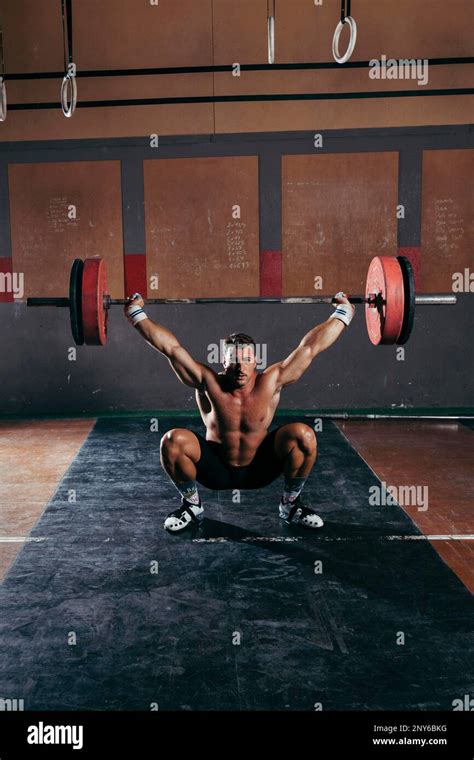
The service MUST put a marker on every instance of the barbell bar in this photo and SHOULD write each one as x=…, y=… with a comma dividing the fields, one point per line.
x=390, y=300
x=430, y=299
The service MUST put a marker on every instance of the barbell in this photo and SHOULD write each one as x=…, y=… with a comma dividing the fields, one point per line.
x=390, y=300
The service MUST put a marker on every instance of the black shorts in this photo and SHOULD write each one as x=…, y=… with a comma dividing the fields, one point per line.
x=214, y=473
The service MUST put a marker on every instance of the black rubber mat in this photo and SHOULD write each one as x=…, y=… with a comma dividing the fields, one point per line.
x=236, y=618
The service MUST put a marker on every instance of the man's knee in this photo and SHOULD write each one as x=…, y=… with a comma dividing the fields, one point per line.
x=306, y=438
x=301, y=434
x=176, y=442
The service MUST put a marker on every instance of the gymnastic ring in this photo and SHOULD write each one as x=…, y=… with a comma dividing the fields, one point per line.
x=68, y=109
x=352, y=41
x=271, y=39
x=3, y=100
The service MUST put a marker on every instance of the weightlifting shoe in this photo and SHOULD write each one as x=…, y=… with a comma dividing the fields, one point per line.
x=187, y=514
x=297, y=513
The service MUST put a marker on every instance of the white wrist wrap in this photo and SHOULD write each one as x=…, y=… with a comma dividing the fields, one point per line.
x=344, y=312
x=135, y=314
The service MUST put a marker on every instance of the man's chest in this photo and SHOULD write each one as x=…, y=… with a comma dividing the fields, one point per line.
x=244, y=411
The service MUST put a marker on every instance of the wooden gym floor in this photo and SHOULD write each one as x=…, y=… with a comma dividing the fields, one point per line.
x=236, y=617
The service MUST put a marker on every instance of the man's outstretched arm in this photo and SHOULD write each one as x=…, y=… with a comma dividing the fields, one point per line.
x=316, y=340
x=187, y=369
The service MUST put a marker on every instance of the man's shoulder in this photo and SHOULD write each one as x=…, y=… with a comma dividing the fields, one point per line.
x=271, y=373
x=267, y=379
x=209, y=372
x=212, y=379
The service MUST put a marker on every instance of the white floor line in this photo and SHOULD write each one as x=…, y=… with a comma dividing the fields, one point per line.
x=247, y=539
x=278, y=539
x=21, y=539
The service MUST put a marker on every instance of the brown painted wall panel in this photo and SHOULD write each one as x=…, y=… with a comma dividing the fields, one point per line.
x=193, y=243
x=32, y=35
x=129, y=121
x=107, y=34
x=236, y=117
x=447, y=217
x=340, y=80
x=111, y=34
x=253, y=83
x=114, y=121
x=131, y=34
x=342, y=114
x=409, y=29
x=338, y=212
x=304, y=32
x=114, y=88
x=45, y=241
x=240, y=31
x=196, y=32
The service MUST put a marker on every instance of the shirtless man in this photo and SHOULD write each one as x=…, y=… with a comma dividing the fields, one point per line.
x=237, y=407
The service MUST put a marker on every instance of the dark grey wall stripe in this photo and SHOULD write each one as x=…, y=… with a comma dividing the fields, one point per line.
x=5, y=237
x=244, y=144
x=409, y=194
x=133, y=199
x=269, y=168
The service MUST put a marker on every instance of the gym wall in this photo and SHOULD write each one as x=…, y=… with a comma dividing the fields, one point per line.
x=164, y=214
x=203, y=33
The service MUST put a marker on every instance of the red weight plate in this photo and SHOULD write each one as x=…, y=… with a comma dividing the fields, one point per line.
x=94, y=313
x=385, y=282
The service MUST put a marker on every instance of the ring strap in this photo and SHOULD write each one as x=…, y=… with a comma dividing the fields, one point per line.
x=66, y=11
x=68, y=85
x=3, y=89
x=345, y=10
x=2, y=61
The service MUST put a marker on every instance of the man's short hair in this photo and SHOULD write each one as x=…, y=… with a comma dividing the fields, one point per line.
x=239, y=339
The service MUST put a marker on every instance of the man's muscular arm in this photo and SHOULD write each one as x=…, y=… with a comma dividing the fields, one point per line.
x=187, y=369
x=316, y=340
